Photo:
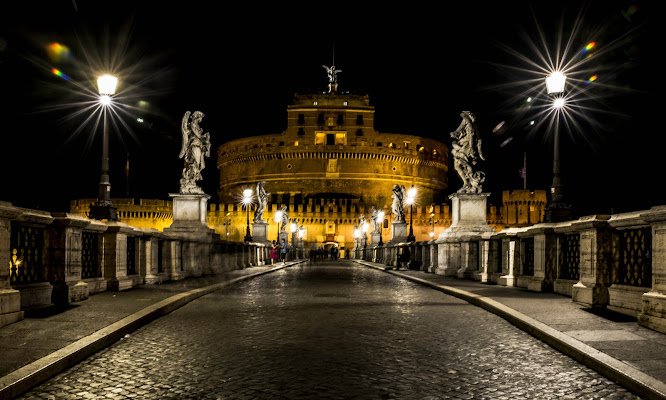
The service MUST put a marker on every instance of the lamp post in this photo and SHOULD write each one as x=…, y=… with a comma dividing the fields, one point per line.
x=432, y=221
x=380, y=219
x=557, y=209
x=278, y=219
x=357, y=239
x=293, y=228
x=411, y=194
x=103, y=209
x=247, y=201
x=227, y=225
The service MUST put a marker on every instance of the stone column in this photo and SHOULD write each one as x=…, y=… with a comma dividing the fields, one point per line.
x=148, y=266
x=653, y=314
x=545, y=259
x=65, y=258
x=484, y=253
x=10, y=299
x=115, y=256
x=433, y=256
x=595, y=261
x=448, y=257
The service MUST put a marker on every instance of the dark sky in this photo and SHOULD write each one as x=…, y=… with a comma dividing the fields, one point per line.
x=420, y=66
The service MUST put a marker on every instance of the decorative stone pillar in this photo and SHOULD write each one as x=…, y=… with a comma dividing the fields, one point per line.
x=545, y=259
x=448, y=256
x=116, y=256
x=595, y=261
x=10, y=299
x=433, y=256
x=484, y=259
x=469, y=257
x=65, y=258
x=510, y=258
x=653, y=314
x=425, y=255
x=149, y=257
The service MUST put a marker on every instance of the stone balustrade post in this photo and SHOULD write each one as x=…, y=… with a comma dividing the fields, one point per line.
x=653, y=313
x=117, y=254
x=65, y=258
x=545, y=259
x=10, y=298
x=595, y=261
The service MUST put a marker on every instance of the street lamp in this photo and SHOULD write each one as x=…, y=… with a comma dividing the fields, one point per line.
x=357, y=240
x=432, y=221
x=247, y=201
x=278, y=219
x=557, y=209
x=103, y=209
x=411, y=194
x=293, y=228
x=380, y=220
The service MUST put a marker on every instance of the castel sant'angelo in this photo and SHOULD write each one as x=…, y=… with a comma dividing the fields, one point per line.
x=328, y=169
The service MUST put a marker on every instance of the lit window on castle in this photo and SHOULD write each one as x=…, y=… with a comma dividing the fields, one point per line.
x=434, y=152
x=391, y=145
x=340, y=138
x=420, y=148
x=320, y=138
x=296, y=143
x=314, y=103
x=344, y=103
x=406, y=145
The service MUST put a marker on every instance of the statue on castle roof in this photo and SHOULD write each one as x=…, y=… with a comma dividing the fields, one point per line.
x=195, y=147
x=332, y=77
x=262, y=202
x=466, y=150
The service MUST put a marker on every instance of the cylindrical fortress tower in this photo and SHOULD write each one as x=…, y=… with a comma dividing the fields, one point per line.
x=331, y=149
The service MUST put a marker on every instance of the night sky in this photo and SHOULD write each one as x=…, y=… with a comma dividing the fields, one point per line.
x=241, y=67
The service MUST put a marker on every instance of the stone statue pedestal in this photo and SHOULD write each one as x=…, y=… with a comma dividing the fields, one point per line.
x=260, y=232
x=399, y=232
x=468, y=214
x=189, y=212
x=468, y=221
x=375, y=238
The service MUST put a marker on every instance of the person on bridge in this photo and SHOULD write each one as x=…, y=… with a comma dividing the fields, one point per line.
x=283, y=251
x=274, y=252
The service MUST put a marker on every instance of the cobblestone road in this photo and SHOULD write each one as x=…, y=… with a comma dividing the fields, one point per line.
x=329, y=331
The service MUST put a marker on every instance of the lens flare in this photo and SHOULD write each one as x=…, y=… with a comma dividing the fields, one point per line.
x=59, y=73
x=587, y=48
x=592, y=79
x=57, y=52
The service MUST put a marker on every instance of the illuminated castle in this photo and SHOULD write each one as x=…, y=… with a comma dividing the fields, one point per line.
x=328, y=167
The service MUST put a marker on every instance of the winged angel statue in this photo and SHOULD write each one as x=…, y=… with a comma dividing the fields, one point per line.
x=195, y=147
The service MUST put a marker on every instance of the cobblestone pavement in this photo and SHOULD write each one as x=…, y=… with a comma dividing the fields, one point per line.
x=329, y=331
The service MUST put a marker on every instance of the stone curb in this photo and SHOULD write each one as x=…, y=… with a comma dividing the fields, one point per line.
x=618, y=371
x=23, y=379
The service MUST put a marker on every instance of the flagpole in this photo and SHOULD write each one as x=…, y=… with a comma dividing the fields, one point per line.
x=524, y=170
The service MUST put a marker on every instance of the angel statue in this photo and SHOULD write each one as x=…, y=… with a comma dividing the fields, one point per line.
x=262, y=199
x=466, y=150
x=196, y=146
x=373, y=220
x=285, y=219
x=398, y=196
x=332, y=76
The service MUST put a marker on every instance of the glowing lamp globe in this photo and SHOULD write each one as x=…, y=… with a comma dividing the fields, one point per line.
x=106, y=84
x=555, y=82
